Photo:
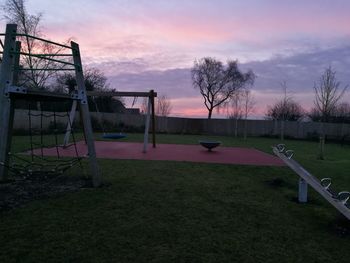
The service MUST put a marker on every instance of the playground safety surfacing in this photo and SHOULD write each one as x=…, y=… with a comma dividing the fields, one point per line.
x=172, y=152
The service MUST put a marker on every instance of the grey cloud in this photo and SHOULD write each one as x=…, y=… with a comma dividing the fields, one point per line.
x=116, y=68
x=300, y=71
x=175, y=83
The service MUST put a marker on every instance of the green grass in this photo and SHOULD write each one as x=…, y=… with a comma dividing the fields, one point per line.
x=185, y=212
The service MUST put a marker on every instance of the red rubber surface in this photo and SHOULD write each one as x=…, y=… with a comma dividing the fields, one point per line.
x=173, y=152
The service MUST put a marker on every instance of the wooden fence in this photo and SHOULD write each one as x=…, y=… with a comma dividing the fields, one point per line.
x=228, y=127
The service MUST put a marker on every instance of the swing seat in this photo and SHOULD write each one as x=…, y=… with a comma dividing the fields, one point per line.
x=113, y=136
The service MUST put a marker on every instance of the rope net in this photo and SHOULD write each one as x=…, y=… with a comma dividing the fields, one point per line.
x=34, y=160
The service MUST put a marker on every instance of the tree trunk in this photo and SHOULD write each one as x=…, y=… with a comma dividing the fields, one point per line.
x=282, y=130
x=245, y=128
x=209, y=113
x=322, y=142
x=321, y=153
x=236, y=127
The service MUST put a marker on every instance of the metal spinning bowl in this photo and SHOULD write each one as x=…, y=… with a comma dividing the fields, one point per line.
x=209, y=144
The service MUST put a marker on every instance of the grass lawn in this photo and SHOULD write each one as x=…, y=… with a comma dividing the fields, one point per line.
x=154, y=211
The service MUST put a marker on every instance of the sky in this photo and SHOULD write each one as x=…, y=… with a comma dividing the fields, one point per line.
x=142, y=44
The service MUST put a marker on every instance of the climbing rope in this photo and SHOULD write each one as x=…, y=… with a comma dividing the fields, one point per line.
x=38, y=163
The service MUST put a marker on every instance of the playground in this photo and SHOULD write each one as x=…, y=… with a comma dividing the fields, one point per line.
x=171, y=152
x=200, y=212
x=77, y=196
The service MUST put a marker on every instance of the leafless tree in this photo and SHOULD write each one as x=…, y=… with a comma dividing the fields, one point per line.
x=248, y=107
x=327, y=94
x=218, y=83
x=94, y=80
x=290, y=111
x=14, y=11
x=342, y=112
x=163, y=106
x=235, y=109
x=285, y=109
x=239, y=107
x=144, y=106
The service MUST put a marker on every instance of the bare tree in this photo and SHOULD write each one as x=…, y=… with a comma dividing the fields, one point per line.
x=218, y=83
x=327, y=94
x=94, y=80
x=248, y=107
x=144, y=106
x=40, y=69
x=285, y=110
x=290, y=111
x=342, y=112
x=235, y=109
x=163, y=106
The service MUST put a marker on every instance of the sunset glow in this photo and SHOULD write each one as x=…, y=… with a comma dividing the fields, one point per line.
x=142, y=45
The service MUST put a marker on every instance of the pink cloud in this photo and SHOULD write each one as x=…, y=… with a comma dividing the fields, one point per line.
x=138, y=36
x=154, y=31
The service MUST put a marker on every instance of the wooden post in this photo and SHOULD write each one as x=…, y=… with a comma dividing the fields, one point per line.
x=16, y=64
x=6, y=110
x=302, y=193
x=12, y=104
x=145, y=137
x=153, y=119
x=96, y=175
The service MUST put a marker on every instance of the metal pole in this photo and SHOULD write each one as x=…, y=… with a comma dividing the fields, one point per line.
x=302, y=194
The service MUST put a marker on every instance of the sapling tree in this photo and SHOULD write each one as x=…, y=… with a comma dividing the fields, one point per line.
x=327, y=94
x=248, y=103
x=164, y=106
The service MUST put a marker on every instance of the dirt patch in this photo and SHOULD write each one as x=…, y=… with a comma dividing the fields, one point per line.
x=15, y=193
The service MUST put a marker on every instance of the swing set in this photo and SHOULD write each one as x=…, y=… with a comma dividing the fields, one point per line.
x=10, y=92
x=105, y=135
x=150, y=115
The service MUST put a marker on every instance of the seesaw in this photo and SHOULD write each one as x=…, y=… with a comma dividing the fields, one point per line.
x=323, y=187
